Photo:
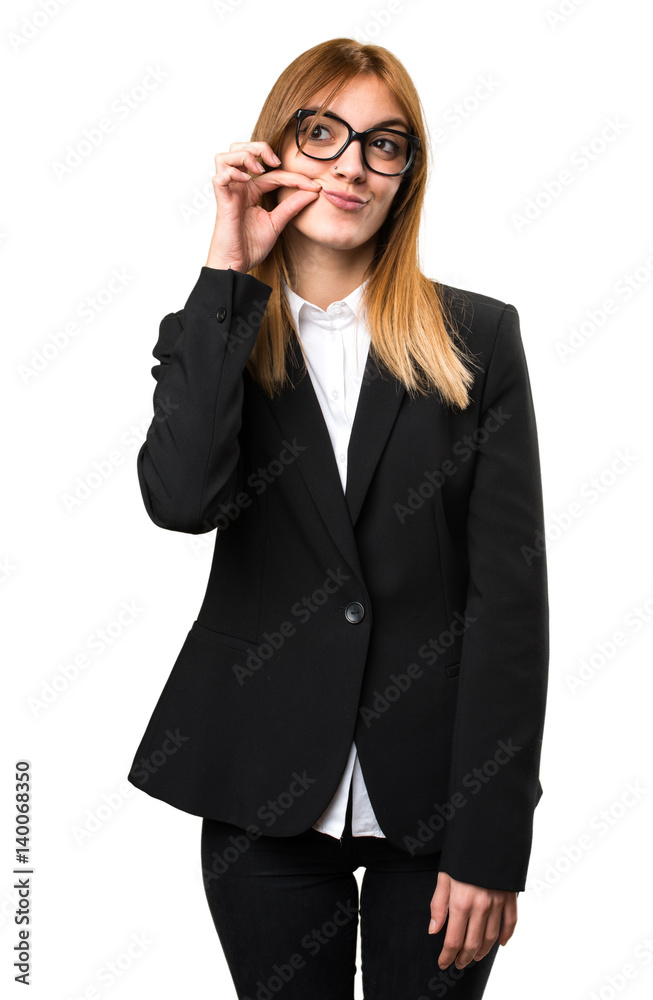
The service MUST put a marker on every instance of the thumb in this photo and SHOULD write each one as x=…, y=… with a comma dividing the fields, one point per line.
x=440, y=903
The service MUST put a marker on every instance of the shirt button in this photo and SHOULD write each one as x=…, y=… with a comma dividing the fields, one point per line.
x=341, y=456
x=335, y=394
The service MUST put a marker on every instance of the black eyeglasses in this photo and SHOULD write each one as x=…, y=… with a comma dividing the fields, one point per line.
x=385, y=150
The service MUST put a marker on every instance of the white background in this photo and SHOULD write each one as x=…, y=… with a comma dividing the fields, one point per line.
x=66, y=570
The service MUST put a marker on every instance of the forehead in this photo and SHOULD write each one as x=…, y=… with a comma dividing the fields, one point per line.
x=363, y=102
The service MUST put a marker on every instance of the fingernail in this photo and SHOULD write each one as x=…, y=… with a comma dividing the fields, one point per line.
x=432, y=927
x=276, y=158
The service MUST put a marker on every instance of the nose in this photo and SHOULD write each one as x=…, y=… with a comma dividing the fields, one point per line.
x=350, y=162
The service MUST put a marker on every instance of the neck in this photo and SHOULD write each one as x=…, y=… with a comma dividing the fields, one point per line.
x=327, y=275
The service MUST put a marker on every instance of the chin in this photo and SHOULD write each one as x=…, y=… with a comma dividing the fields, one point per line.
x=338, y=244
x=334, y=238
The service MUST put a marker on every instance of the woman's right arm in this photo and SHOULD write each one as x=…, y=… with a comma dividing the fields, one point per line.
x=189, y=463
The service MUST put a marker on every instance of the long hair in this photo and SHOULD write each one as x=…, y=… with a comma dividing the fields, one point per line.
x=412, y=333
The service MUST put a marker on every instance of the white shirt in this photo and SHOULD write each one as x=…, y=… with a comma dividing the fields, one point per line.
x=335, y=348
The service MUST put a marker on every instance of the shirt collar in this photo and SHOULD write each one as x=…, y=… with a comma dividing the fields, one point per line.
x=297, y=303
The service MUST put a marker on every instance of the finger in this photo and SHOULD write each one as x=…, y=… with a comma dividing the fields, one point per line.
x=262, y=149
x=454, y=938
x=226, y=177
x=289, y=207
x=439, y=903
x=474, y=937
x=286, y=178
x=492, y=930
x=241, y=158
x=252, y=164
x=254, y=149
x=509, y=918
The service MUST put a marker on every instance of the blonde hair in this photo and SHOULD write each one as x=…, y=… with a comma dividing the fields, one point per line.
x=412, y=332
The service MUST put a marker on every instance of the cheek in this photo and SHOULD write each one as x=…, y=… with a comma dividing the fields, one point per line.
x=294, y=163
x=385, y=198
x=285, y=192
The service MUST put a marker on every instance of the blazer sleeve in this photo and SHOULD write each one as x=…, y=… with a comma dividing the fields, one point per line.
x=189, y=462
x=494, y=784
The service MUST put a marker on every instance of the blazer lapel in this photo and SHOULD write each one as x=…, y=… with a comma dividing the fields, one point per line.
x=377, y=409
x=299, y=414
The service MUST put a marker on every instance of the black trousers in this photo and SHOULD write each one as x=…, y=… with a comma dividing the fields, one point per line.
x=286, y=911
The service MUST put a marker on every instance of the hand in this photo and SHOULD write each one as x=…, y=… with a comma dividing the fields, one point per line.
x=244, y=232
x=474, y=919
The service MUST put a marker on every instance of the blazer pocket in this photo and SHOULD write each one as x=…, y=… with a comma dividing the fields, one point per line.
x=452, y=670
x=222, y=638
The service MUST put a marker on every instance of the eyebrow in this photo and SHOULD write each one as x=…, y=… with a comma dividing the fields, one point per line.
x=386, y=123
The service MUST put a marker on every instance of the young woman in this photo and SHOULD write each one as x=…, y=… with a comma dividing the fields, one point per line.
x=365, y=683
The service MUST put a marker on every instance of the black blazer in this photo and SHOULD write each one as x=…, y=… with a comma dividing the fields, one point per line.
x=409, y=613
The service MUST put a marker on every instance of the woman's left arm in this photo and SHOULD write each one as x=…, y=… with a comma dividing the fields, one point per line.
x=503, y=678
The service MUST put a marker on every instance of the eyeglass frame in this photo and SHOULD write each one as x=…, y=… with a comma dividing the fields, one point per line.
x=413, y=140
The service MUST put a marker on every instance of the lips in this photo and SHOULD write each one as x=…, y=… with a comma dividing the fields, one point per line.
x=340, y=199
x=344, y=195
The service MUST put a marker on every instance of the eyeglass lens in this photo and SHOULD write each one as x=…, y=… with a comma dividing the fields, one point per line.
x=384, y=151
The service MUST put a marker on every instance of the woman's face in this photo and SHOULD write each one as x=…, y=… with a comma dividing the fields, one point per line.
x=364, y=102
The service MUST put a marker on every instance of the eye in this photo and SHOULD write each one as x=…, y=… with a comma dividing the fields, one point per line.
x=385, y=145
x=319, y=128
x=320, y=131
